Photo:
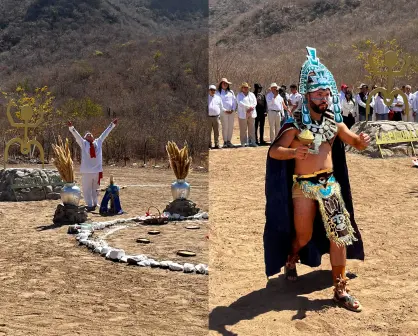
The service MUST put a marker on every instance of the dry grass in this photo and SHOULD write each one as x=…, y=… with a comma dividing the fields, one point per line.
x=180, y=160
x=63, y=160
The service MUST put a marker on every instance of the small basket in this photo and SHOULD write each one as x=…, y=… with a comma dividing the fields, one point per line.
x=156, y=220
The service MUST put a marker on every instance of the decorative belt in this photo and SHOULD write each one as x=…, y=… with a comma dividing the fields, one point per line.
x=320, y=176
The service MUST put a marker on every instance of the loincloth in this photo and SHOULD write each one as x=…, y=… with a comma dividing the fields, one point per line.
x=322, y=187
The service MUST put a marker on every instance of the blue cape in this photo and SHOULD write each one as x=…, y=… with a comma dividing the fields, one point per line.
x=279, y=228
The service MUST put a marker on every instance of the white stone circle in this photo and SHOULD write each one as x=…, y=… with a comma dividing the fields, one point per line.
x=100, y=246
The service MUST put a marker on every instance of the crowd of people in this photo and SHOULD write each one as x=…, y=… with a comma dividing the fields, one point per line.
x=277, y=105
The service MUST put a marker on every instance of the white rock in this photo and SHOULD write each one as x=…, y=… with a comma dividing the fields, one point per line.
x=83, y=241
x=176, y=267
x=144, y=263
x=200, y=269
x=81, y=236
x=116, y=254
x=197, y=216
x=98, y=249
x=188, y=268
x=105, y=251
x=124, y=259
x=165, y=263
x=205, y=215
x=153, y=263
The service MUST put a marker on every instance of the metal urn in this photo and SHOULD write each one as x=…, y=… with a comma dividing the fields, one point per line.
x=180, y=189
x=71, y=194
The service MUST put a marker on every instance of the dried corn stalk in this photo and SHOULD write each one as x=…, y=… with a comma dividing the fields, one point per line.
x=63, y=161
x=180, y=161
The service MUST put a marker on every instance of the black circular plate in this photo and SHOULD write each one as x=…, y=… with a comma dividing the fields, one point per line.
x=143, y=241
x=154, y=232
x=186, y=253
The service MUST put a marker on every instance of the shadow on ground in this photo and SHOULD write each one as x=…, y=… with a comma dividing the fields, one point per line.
x=279, y=295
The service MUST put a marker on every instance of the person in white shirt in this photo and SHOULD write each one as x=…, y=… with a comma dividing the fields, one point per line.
x=343, y=91
x=295, y=99
x=415, y=107
x=227, y=116
x=410, y=96
x=275, y=107
x=398, y=106
x=247, y=113
x=349, y=108
x=380, y=108
x=215, y=108
x=91, y=168
x=361, y=100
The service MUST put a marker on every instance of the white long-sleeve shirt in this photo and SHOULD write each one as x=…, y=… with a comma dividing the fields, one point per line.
x=398, y=100
x=244, y=103
x=296, y=99
x=380, y=106
x=274, y=104
x=415, y=103
x=89, y=164
x=215, y=106
x=348, y=107
x=228, y=99
x=363, y=104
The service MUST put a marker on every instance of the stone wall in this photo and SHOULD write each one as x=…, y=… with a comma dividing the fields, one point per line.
x=29, y=176
x=389, y=150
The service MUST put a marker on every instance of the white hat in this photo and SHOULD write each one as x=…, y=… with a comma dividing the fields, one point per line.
x=212, y=87
x=273, y=85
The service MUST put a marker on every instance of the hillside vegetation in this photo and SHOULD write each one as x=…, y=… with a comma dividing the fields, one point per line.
x=265, y=41
x=143, y=61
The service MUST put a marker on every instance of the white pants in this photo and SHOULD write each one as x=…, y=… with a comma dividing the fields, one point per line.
x=90, y=186
x=408, y=117
x=275, y=119
x=227, y=121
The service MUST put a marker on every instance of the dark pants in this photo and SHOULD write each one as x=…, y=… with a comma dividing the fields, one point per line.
x=362, y=117
x=259, y=122
x=349, y=121
x=397, y=116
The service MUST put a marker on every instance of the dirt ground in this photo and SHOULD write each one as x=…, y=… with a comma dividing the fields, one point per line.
x=243, y=303
x=50, y=286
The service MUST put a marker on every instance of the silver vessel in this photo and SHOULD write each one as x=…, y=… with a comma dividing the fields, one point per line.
x=180, y=189
x=71, y=194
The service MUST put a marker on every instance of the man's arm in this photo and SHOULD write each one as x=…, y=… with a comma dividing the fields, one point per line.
x=360, y=142
x=104, y=135
x=359, y=101
x=78, y=138
x=281, y=150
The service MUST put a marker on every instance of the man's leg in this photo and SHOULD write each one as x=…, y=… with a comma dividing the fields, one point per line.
x=256, y=126
x=338, y=256
x=362, y=117
x=95, y=191
x=304, y=211
x=216, y=126
x=272, y=120
x=278, y=124
x=251, y=131
x=86, y=184
x=210, y=130
x=262, y=122
x=242, y=131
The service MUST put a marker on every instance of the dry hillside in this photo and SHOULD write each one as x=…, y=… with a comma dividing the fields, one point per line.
x=263, y=40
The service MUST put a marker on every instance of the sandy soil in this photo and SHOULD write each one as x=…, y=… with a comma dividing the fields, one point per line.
x=50, y=286
x=173, y=237
x=243, y=303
